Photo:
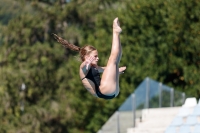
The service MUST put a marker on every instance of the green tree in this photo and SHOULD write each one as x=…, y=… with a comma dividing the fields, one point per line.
x=160, y=40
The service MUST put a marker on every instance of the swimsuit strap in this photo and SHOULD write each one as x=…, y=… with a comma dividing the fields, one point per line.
x=83, y=78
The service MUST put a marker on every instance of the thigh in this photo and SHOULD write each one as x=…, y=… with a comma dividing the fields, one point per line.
x=110, y=78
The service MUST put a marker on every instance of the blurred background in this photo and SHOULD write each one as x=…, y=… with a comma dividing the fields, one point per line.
x=40, y=88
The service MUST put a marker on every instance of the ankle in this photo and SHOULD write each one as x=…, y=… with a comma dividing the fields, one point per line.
x=116, y=33
x=117, y=30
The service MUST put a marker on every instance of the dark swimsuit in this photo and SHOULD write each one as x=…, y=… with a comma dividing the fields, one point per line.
x=94, y=76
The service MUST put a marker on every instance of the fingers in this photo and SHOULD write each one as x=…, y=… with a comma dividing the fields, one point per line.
x=90, y=58
x=122, y=69
x=88, y=61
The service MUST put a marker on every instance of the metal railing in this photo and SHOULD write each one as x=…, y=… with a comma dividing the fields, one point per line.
x=149, y=94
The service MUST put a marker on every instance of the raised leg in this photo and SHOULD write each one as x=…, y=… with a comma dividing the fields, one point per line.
x=110, y=77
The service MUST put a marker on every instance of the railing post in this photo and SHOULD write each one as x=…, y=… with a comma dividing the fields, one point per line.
x=183, y=98
x=133, y=108
x=147, y=93
x=171, y=97
x=118, y=123
x=160, y=95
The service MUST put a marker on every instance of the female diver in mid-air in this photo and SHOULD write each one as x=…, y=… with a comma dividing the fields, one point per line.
x=106, y=87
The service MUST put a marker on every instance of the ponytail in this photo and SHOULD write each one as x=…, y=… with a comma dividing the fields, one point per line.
x=82, y=51
x=66, y=44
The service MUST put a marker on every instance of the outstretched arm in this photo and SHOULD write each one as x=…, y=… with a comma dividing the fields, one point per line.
x=121, y=69
x=101, y=69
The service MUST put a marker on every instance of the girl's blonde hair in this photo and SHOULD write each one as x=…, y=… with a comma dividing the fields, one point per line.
x=86, y=50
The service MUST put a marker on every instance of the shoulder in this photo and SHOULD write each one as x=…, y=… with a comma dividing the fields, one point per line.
x=83, y=70
x=82, y=65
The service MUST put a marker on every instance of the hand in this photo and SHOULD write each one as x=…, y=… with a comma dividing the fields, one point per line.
x=122, y=69
x=88, y=61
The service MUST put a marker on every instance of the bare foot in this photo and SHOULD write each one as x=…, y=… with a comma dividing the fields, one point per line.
x=116, y=26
